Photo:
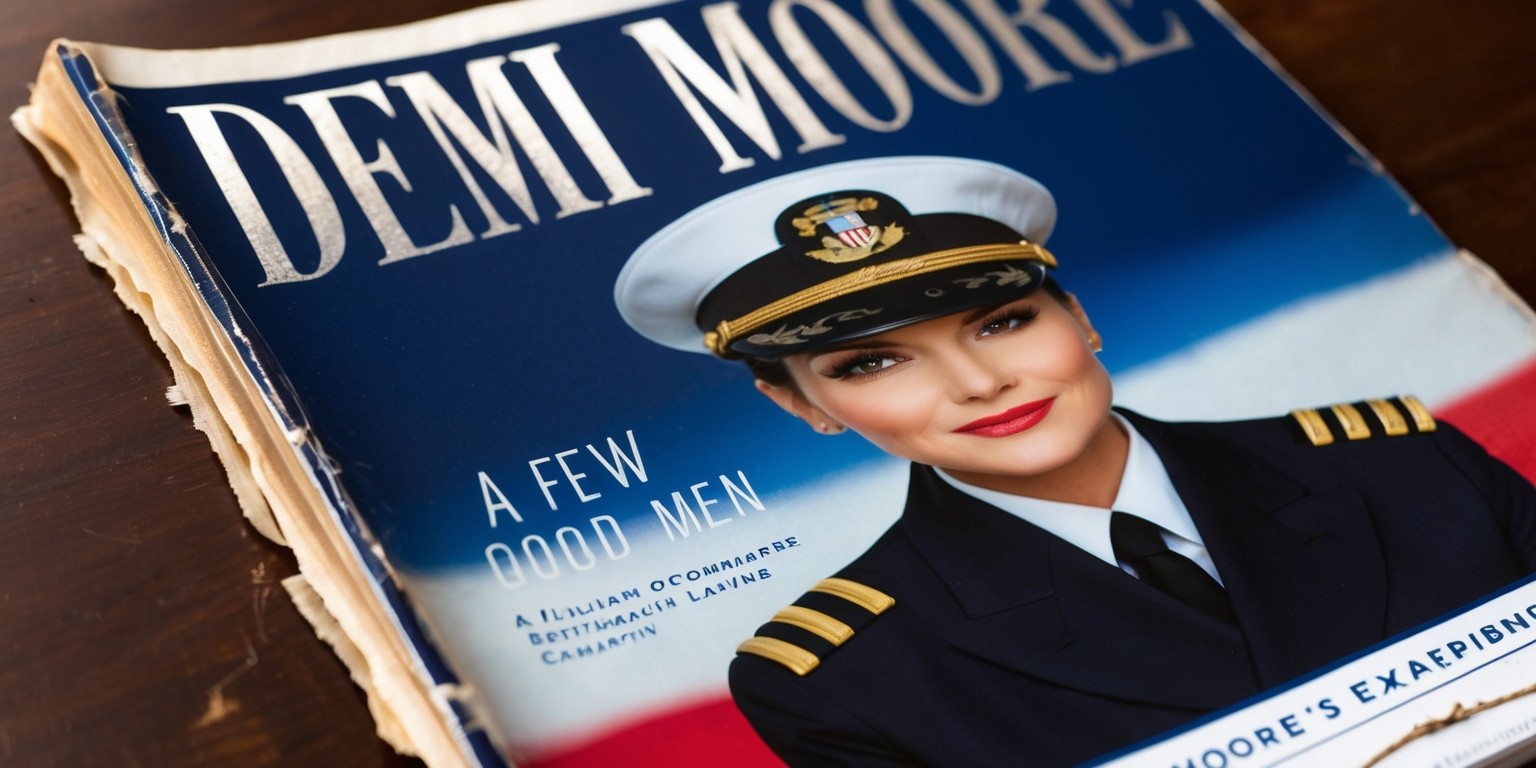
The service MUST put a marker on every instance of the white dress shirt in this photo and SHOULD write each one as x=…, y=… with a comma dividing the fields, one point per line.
x=1145, y=491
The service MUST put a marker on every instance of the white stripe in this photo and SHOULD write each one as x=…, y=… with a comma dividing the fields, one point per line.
x=1438, y=330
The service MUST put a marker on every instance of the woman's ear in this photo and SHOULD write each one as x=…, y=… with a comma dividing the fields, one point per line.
x=794, y=403
x=1095, y=341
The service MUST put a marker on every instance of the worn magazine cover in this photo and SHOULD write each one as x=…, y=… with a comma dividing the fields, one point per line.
x=467, y=265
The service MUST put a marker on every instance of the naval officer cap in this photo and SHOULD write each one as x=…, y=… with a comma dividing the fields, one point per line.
x=836, y=253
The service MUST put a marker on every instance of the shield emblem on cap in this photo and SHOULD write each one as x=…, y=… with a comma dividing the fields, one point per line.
x=851, y=229
x=852, y=238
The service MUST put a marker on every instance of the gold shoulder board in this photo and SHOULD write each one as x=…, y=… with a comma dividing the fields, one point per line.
x=1345, y=422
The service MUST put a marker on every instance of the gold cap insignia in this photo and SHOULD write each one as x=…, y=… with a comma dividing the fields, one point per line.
x=852, y=237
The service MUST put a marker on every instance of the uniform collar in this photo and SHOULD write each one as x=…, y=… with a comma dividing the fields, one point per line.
x=1039, y=605
x=1145, y=491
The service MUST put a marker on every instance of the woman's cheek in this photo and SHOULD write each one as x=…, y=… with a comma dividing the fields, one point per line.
x=882, y=414
x=917, y=419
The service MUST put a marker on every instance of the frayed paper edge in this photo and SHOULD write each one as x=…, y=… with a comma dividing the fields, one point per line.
x=312, y=608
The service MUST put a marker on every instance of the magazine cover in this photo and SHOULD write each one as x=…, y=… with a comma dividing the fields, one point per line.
x=616, y=333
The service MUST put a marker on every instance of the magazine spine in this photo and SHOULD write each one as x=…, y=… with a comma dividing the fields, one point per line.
x=280, y=399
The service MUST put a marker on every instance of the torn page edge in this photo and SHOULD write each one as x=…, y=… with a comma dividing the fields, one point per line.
x=115, y=207
x=312, y=607
x=190, y=389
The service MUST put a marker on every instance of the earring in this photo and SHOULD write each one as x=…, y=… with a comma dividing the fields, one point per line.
x=829, y=429
x=1095, y=341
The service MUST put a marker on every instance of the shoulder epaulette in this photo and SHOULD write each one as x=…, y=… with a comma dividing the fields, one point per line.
x=802, y=635
x=1388, y=417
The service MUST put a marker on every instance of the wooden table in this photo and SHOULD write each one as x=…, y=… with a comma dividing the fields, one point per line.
x=131, y=591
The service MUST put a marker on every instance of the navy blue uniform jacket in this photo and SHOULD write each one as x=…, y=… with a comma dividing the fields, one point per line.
x=1008, y=646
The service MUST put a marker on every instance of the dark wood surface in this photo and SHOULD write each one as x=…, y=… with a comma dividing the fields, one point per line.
x=130, y=587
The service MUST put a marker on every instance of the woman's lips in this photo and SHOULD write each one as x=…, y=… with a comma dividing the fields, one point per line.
x=1009, y=422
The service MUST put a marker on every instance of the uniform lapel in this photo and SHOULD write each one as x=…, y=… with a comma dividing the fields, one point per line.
x=1039, y=606
x=1303, y=568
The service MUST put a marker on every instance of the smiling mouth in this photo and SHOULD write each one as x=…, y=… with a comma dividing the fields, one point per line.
x=1009, y=422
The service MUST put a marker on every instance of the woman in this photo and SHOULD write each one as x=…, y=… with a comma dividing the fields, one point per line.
x=1065, y=578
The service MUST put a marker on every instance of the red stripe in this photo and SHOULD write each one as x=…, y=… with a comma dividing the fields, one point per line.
x=709, y=733
x=1502, y=416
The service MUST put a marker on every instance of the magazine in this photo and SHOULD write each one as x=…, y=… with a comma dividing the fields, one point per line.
x=438, y=294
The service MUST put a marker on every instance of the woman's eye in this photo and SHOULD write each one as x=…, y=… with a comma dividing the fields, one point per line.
x=873, y=364
x=863, y=365
x=1006, y=321
x=998, y=326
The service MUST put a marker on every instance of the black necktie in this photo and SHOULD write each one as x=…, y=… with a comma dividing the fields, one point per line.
x=1139, y=544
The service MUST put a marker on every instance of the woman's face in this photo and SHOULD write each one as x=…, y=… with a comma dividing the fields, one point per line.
x=987, y=394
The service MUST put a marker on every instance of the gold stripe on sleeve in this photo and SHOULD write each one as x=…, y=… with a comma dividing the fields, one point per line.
x=868, y=598
x=799, y=660
x=815, y=622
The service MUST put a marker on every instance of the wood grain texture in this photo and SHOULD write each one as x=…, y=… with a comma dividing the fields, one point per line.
x=130, y=587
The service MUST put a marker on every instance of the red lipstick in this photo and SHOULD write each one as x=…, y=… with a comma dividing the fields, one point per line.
x=1009, y=422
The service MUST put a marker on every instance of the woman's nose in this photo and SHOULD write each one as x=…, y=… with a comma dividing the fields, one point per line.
x=973, y=376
